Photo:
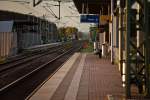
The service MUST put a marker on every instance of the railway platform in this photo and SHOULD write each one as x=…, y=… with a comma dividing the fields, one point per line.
x=83, y=77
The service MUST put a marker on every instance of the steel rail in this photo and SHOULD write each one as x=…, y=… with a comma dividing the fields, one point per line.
x=32, y=72
x=22, y=61
x=24, y=56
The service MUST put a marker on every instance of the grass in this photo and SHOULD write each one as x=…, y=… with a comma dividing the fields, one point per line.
x=87, y=47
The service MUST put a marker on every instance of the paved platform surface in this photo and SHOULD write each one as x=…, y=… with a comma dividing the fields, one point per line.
x=83, y=77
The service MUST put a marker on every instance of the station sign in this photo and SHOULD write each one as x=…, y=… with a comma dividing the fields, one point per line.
x=89, y=18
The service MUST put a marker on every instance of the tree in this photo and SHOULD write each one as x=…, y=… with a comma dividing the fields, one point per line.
x=68, y=32
x=93, y=33
x=80, y=35
x=61, y=31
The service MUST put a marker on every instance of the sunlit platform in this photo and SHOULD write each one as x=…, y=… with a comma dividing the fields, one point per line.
x=83, y=77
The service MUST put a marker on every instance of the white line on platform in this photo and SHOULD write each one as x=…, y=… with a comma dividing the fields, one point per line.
x=73, y=88
x=49, y=88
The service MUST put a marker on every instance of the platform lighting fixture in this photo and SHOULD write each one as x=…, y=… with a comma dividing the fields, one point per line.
x=118, y=3
x=121, y=3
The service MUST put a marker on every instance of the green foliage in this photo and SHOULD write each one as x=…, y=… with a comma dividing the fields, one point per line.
x=93, y=31
x=89, y=48
x=71, y=30
x=2, y=60
x=65, y=33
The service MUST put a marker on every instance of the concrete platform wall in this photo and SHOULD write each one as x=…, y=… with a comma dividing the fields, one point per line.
x=29, y=39
x=8, y=44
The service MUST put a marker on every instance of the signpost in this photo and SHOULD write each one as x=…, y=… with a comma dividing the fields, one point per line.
x=89, y=19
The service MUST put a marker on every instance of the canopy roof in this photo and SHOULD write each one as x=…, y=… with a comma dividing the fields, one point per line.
x=93, y=6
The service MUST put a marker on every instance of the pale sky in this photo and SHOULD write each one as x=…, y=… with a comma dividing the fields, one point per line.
x=69, y=14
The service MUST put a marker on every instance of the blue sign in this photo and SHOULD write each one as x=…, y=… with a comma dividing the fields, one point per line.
x=89, y=18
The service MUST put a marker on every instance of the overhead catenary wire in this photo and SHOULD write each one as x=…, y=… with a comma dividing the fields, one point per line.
x=50, y=11
x=21, y=1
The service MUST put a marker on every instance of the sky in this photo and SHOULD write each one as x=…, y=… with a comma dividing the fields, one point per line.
x=69, y=15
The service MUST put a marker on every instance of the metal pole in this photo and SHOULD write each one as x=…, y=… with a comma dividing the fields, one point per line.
x=112, y=8
x=120, y=38
x=59, y=9
x=36, y=3
x=87, y=8
x=33, y=3
x=127, y=82
x=146, y=37
x=138, y=32
x=33, y=33
x=82, y=8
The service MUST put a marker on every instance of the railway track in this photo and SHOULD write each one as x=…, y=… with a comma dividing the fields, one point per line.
x=15, y=70
x=12, y=73
x=28, y=54
x=24, y=85
x=21, y=61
